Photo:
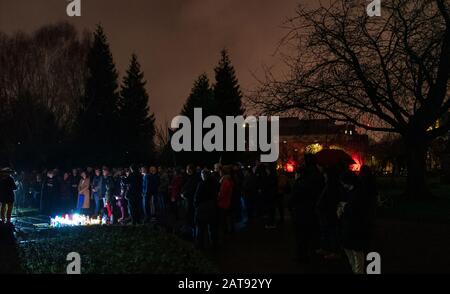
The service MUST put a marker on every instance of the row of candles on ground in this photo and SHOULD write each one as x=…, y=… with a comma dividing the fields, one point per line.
x=69, y=220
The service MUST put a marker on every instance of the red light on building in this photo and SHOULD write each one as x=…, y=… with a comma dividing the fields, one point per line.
x=356, y=167
x=290, y=166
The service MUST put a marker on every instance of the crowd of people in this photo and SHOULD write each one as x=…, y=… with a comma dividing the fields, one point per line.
x=332, y=208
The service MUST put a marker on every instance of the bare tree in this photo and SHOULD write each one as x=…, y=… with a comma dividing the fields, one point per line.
x=41, y=82
x=388, y=73
x=163, y=148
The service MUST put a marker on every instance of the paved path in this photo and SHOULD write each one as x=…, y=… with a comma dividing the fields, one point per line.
x=412, y=247
x=405, y=247
x=257, y=250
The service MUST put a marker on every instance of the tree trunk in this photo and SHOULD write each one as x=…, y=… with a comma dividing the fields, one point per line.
x=416, y=164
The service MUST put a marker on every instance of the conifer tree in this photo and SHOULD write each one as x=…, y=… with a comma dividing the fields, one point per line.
x=99, y=109
x=137, y=122
x=227, y=100
x=201, y=97
x=227, y=92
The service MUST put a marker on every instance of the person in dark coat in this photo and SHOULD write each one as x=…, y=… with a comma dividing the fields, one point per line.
x=283, y=188
x=66, y=193
x=146, y=195
x=121, y=184
x=357, y=217
x=163, y=194
x=108, y=198
x=216, y=172
x=205, y=200
x=133, y=194
x=49, y=194
x=36, y=190
x=7, y=188
x=305, y=192
x=250, y=193
x=236, y=205
x=226, y=187
x=326, y=211
x=97, y=191
x=153, y=191
x=188, y=193
x=269, y=191
x=176, y=186
x=75, y=180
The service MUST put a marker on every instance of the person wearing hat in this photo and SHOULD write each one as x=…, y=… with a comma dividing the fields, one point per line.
x=7, y=188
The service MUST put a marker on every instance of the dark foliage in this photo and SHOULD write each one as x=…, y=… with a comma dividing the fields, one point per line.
x=113, y=250
x=98, y=118
x=137, y=128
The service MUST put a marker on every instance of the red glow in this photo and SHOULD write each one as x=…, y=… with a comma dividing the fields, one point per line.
x=290, y=166
x=356, y=167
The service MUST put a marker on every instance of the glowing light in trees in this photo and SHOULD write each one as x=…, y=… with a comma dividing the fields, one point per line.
x=313, y=148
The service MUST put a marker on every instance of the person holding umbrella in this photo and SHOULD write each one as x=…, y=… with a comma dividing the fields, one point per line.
x=7, y=188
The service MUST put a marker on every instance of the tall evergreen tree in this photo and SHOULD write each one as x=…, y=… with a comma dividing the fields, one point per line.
x=227, y=92
x=201, y=97
x=99, y=108
x=137, y=122
x=227, y=100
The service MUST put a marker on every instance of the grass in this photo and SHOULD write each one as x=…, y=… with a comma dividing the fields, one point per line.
x=112, y=250
x=435, y=209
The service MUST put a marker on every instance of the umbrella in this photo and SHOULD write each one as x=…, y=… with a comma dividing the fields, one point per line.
x=328, y=157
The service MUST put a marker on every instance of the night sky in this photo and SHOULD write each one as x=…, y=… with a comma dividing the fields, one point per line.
x=176, y=40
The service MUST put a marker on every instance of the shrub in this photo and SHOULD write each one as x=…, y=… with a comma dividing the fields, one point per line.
x=112, y=250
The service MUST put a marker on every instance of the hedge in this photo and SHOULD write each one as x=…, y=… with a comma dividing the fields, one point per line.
x=112, y=250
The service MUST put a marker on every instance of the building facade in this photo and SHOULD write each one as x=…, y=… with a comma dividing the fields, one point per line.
x=298, y=137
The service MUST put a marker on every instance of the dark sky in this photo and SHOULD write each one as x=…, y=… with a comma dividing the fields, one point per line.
x=176, y=40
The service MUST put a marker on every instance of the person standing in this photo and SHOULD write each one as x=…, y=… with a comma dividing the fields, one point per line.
x=133, y=194
x=7, y=188
x=66, y=193
x=175, y=192
x=188, y=193
x=146, y=195
x=236, y=200
x=269, y=191
x=224, y=200
x=163, y=192
x=84, y=193
x=283, y=188
x=49, y=194
x=250, y=193
x=36, y=190
x=205, y=204
x=305, y=192
x=120, y=199
x=153, y=190
x=108, y=198
x=97, y=191
x=357, y=217
x=216, y=172
x=326, y=212
x=75, y=180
